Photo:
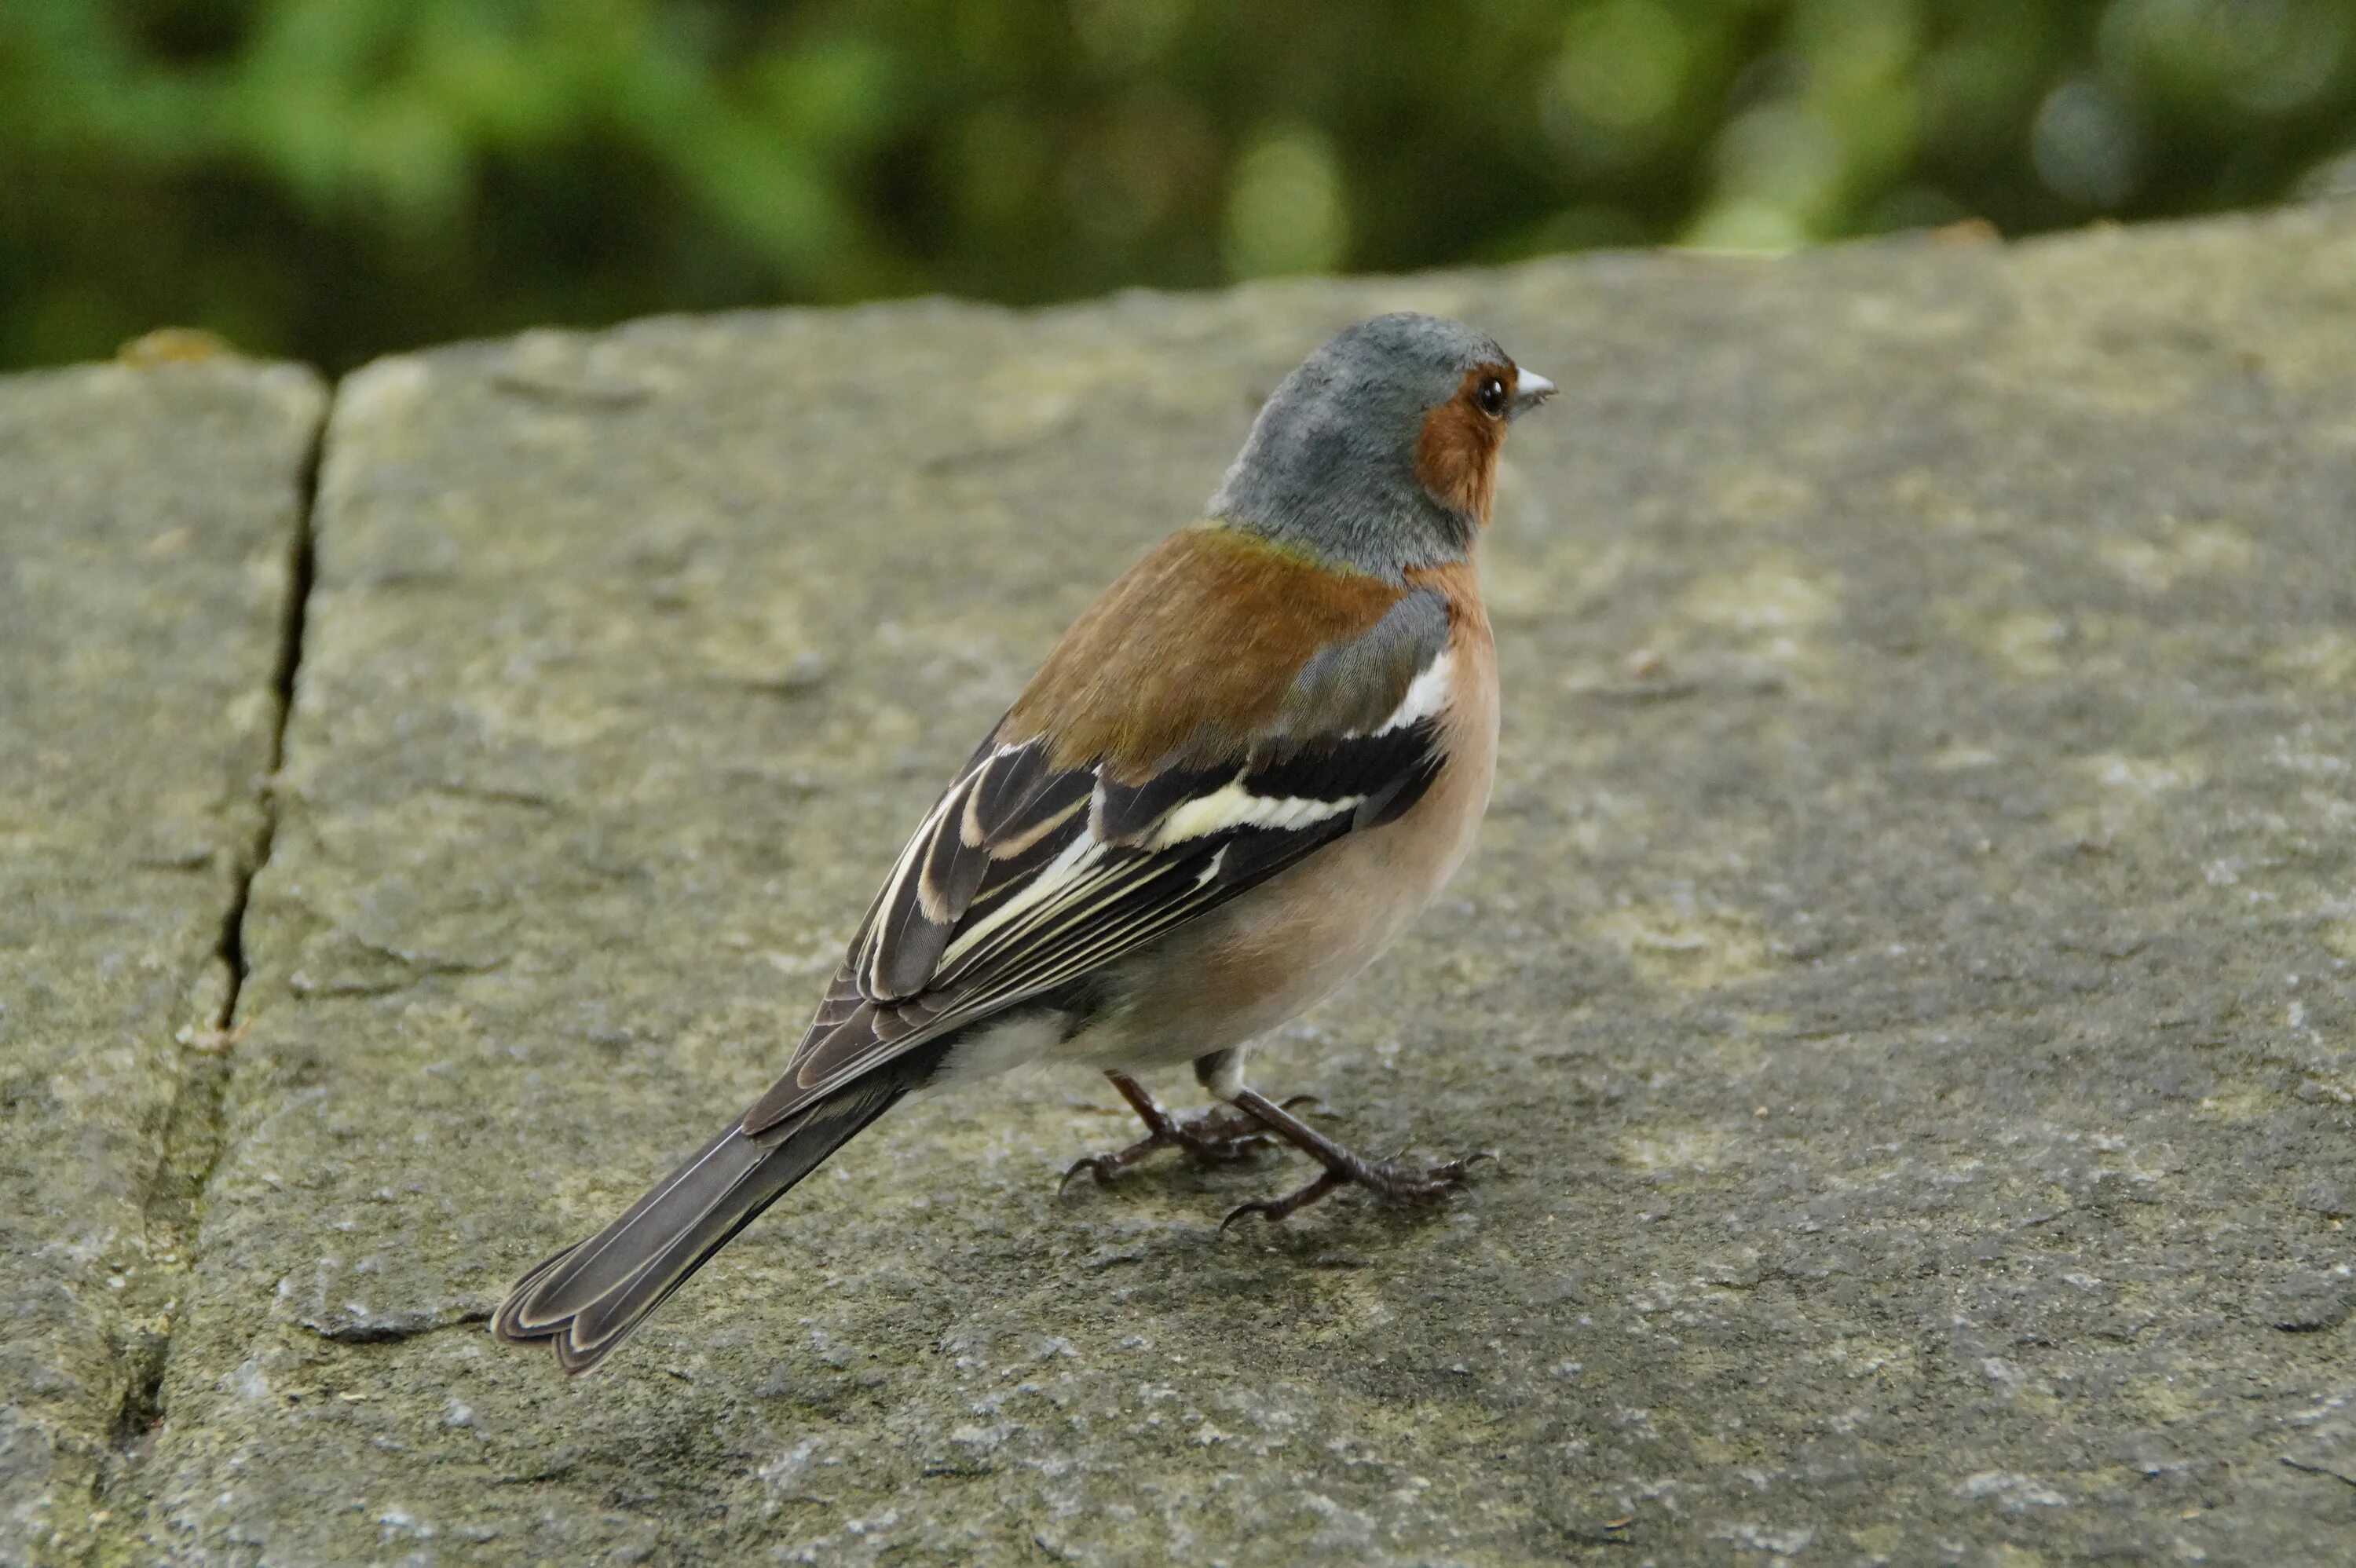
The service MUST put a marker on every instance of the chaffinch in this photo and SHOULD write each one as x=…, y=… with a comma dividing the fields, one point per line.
x=1235, y=781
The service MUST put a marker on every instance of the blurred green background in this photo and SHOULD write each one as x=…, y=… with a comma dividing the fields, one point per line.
x=331, y=179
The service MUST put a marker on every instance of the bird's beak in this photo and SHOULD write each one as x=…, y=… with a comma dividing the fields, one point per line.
x=1530, y=391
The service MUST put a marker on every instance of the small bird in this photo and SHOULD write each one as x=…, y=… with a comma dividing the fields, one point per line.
x=1235, y=780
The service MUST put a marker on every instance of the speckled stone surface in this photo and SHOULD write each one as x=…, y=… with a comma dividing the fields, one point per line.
x=148, y=523
x=1906, y=973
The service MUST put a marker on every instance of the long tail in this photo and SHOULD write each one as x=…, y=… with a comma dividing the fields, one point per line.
x=587, y=1298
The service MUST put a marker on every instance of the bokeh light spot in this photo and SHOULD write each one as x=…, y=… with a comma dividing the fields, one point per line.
x=2085, y=145
x=1286, y=211
x=1622, y=67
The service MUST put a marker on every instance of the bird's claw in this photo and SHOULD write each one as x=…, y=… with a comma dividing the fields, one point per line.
x=1276, y=1211
x=1099, y=1166
x=1214, y=1136
x=1385, y=1177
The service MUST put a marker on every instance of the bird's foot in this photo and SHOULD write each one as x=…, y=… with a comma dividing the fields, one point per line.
x=1383, y=1177
x=1342, y=1169
x=1221, y=1134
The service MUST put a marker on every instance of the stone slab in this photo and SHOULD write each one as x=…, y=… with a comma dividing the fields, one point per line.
x=1906, y=973
x=148, y=525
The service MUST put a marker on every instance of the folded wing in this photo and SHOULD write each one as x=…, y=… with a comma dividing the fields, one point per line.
x=1048, y=859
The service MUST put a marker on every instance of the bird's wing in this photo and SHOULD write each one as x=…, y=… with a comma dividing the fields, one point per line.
x=1140, y=781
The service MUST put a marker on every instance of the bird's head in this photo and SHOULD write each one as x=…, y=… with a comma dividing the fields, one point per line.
x=1379, y=452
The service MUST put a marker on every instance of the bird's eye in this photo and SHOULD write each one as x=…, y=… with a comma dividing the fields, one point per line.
x=1492, y=397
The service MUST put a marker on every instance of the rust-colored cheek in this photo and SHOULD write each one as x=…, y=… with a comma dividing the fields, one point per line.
x=1456, y=454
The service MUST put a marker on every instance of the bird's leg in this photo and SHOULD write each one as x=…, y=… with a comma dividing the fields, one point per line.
x=1342, y=1167
x=1215, y=1135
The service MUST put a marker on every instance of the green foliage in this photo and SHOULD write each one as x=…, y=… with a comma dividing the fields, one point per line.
x=332, y=178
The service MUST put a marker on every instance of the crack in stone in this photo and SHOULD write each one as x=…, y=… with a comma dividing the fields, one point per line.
x=194, y=1136
x=2305, y=1469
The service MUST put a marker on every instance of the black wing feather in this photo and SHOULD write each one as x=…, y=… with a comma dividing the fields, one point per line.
x=1027, y=878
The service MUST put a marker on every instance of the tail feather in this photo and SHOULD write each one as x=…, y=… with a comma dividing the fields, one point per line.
x=588, y=1299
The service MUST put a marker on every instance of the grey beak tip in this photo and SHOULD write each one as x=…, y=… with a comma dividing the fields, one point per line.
x=1530, y=390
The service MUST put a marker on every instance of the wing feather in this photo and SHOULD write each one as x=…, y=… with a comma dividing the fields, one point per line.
x=1032, y=871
